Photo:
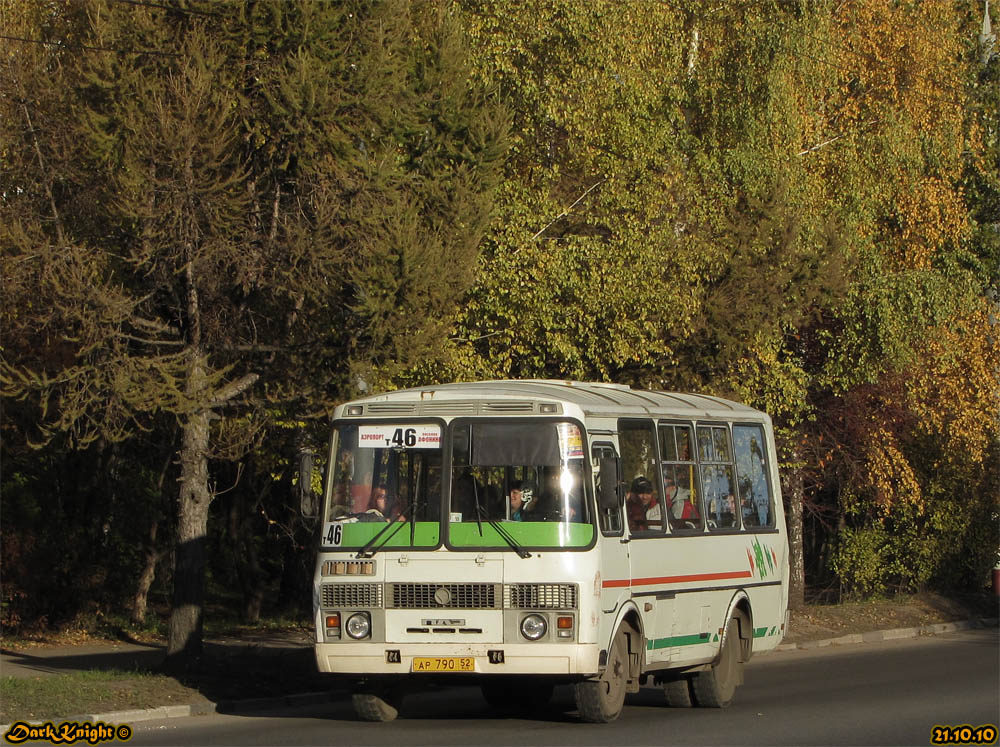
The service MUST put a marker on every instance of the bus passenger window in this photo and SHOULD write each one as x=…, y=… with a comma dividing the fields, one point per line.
x=644, y=504
x=680, y=477
x=717, y=478
x=751, y=476
x=682, y=501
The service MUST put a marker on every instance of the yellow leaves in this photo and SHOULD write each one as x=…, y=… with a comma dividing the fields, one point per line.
x=955, y=387
x=931, y=216
x=890, y=474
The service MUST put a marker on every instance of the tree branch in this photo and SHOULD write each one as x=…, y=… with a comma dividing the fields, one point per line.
x=565, y=212
x=233, y=389
x=45, y=181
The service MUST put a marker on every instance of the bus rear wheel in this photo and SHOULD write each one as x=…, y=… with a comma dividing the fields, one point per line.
x=678, y=693
x=601, y=701
x=377, y=702
x=716, y=687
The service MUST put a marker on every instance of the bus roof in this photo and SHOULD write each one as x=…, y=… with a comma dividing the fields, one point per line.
x=523, y=396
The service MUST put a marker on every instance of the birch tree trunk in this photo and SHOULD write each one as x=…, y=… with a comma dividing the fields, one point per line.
x=794, y=493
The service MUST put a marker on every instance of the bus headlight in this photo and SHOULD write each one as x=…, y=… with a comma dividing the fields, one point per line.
x=533, y=627
x=359, y=625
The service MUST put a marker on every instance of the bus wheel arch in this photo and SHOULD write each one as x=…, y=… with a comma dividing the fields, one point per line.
x=744, y=621
x=739, y=608
x=631, y=625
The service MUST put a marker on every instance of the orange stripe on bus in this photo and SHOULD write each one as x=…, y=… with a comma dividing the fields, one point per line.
x=617, y=583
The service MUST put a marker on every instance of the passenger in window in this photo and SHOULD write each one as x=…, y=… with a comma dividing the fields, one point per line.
x=721, y=504
x=641, y=505
x=516, y=500
x=384, y=504
x=682, y=506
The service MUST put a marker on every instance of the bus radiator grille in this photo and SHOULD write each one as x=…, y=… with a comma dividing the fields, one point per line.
x=443, y=596
x=351, y=595
x=540, y=596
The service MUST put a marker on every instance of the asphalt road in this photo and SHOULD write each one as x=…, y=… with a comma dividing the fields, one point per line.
x=890, y=693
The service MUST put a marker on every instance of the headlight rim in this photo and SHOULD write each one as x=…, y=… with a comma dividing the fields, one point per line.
x=542, y=629
x=365, y=619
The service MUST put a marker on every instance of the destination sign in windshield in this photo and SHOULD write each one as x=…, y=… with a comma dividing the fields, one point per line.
x=390, y=436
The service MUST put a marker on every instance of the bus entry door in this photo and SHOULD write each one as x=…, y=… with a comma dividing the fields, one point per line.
x=616, y=582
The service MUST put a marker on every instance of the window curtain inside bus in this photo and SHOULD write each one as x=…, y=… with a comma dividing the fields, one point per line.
x=514, y=443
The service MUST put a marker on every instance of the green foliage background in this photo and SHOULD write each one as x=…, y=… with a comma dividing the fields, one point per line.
x=793, y=205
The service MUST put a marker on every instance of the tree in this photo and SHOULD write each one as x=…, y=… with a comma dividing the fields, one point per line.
x=260, y=195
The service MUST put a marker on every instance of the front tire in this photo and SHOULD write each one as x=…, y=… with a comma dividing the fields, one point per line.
x=601, y=701
x=716, y=687
x=379, y=703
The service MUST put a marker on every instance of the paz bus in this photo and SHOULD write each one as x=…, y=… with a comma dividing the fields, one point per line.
x=520, y=535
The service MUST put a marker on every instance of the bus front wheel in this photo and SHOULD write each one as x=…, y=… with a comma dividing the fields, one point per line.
x=377, y=703
x=716, y=687
x=601, y=701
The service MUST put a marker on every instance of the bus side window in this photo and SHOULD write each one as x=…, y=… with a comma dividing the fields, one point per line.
x=644, y=508
x=680, y=478
x=716, y=461
x=751, y=476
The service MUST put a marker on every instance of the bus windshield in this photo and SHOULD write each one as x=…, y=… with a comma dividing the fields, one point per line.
x=528, y=475
x=385, y=473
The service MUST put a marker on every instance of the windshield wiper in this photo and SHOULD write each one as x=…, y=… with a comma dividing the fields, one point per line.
x=370, y=548
x=507, y=536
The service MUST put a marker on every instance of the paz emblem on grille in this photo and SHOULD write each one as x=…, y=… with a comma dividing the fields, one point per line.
x=442, y=596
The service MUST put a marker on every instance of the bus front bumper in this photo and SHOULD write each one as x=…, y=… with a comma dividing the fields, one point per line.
x=482, y=659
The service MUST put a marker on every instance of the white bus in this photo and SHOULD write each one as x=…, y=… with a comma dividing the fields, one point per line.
x=524, y=534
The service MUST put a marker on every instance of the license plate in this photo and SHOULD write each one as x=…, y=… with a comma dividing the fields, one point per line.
x=444, y=664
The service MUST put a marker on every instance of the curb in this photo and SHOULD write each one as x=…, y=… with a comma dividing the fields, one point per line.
x=185, y=711
x=317, y=698
x=877, y=636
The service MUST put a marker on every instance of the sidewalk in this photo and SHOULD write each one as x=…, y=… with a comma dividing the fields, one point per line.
x=294, y=656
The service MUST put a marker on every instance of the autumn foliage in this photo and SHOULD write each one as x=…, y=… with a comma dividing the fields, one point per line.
x=219, y=219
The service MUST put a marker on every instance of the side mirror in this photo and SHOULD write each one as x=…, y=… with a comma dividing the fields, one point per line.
x=608, y=496
x=308, y=500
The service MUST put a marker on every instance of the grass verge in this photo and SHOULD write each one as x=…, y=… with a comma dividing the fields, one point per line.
x=76, y=693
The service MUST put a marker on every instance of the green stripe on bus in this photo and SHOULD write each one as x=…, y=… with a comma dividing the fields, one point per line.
x=358, y=533
x=677, y=640
x=528, y=533
x=760, y=632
